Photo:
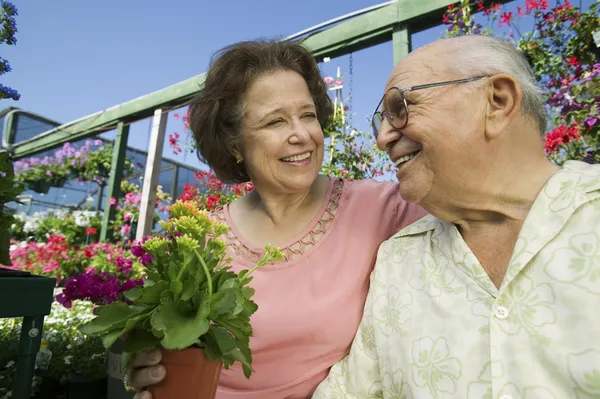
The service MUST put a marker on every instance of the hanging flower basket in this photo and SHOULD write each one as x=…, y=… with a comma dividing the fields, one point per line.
x=40, y=186
x=58, y=181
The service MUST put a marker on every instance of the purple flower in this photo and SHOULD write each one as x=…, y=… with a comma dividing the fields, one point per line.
x=147, y=259
x=137, y=251
x=591, y=121
x=98, y=287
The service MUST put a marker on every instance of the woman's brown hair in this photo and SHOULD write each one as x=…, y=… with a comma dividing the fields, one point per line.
x=216, y=113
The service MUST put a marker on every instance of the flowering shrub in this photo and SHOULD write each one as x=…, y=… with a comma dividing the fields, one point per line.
x=9, y=191
x=210, y=192
x=89, y=162
x=7, y=35
x=127, y=209
x=563, y=55
x=65, y=351
x=100, y=288
x=78, y=227
x=56, y=258
x=351, y=154
x=53, y=258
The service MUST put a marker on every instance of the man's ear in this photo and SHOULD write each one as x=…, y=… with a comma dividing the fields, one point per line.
x=504, y=99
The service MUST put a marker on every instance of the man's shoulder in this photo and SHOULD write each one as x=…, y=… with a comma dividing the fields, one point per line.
x=583, y=176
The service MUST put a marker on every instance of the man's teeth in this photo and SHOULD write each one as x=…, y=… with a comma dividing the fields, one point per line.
x=297, y=158
x=406, y=158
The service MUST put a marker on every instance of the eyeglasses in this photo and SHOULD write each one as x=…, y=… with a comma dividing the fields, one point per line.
x=396, y=106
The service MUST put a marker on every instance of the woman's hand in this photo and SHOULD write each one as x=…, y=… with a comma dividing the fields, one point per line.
x=144, y=369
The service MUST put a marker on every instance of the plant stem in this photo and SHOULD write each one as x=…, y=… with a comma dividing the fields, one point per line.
x=208, y=278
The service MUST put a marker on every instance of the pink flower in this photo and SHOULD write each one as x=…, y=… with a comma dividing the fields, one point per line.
x=112, y=201
x=126, y=229
x=328, y=79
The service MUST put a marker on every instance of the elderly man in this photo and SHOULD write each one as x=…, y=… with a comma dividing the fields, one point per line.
x=496, y=294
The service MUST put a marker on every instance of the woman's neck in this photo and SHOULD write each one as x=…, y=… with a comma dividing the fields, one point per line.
x=279, y=207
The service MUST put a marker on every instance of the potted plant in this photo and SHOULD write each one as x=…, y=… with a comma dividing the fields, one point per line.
x=191, y=305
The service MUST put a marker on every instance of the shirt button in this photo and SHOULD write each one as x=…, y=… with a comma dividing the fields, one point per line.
x=501, y=313
x=506, y=397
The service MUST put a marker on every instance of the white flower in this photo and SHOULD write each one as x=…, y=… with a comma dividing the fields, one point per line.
x=68, y=359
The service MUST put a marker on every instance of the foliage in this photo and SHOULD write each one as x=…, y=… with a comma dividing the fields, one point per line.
x=78, y=227
x=56, y=258
x=8, y=29
x=97, y=167
x=127, y=209
x=210, y=192
x=89, y=162
x=9, y=190
x=65, y=351
x=191, y=297
x=351, y=154
x=564, y=58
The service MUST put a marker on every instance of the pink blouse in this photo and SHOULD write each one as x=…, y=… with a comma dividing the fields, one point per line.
x=310, y=306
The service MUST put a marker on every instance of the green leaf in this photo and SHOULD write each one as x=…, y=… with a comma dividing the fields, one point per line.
x=110, y=338
x=133, y=293
x=223, y=338
x=221, y=303
x=189, y=288
x=151, y=294
x=139, y=340
x=180, y=329
x=110, y=317
x=176, y=287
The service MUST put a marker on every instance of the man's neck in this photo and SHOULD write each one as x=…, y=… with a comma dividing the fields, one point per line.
x=491, y=221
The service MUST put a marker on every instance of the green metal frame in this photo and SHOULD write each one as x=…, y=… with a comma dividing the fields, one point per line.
x=395, y=21
x=25, y=295
x=114, y=180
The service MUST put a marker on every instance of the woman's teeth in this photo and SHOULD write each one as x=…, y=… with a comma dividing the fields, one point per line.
x=296, y=158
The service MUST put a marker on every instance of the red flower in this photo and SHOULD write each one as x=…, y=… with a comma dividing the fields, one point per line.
x=496, y=7
x=480, y=6
x=559, y=136
x=212, y=201
x=573, y=62
x=90, y=231
x=520, y=12
x=506, y=18
x=536, y=5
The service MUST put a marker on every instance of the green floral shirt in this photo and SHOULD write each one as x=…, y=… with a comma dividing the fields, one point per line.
x=436, y=327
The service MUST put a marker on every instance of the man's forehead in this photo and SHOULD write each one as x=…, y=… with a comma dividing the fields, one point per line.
x=418, y=67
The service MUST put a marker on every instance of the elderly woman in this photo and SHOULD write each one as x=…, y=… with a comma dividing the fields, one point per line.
x=259, y=118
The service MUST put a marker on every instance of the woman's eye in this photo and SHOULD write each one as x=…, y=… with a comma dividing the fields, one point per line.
x=309, y=115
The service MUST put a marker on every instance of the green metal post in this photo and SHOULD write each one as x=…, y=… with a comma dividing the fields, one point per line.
x=402, y=42
x=175, y=182
x=114, y=181
x=29, y=345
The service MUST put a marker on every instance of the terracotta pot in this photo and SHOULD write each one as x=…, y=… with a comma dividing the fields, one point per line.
x=190, y=375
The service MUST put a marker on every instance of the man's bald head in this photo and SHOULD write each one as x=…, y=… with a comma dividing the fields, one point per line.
x=476, y=55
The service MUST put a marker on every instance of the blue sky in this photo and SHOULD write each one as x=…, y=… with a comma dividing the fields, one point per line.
x=76, y=57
